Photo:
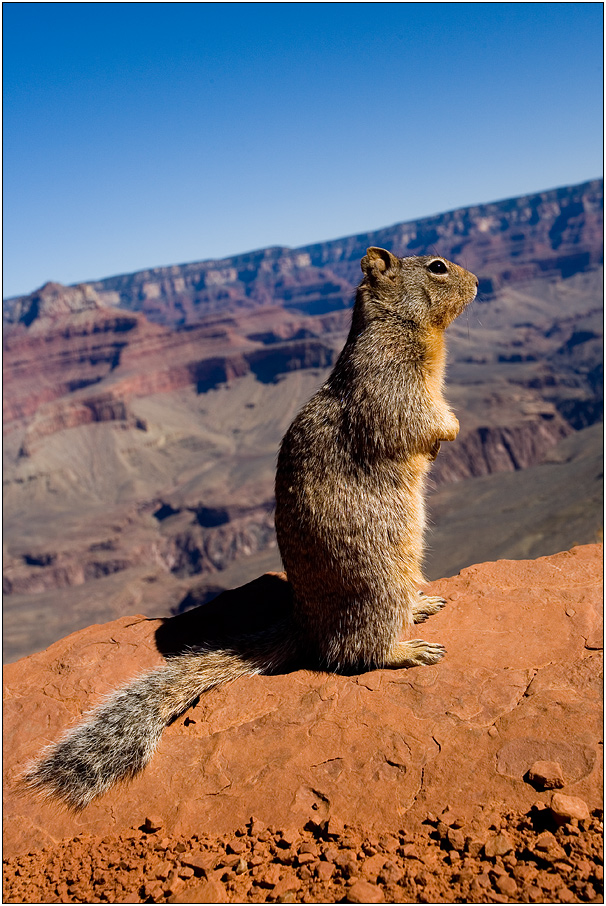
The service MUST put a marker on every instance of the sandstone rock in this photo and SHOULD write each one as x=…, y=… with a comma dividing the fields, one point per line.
x=203, y=892
x=292, y=748
x=506, y=885
x=546, y=775
x=498, y=845
x=364, y=892
x=564, y=808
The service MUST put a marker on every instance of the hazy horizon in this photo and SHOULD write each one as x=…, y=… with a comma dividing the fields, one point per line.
x=294, y=248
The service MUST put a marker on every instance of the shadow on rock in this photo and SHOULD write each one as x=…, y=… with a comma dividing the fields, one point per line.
x=233, y=615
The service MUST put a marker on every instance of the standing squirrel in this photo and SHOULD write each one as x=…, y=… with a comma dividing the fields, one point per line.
x=349, y=523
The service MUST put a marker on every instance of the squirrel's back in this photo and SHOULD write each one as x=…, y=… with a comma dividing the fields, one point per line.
x=351, y=467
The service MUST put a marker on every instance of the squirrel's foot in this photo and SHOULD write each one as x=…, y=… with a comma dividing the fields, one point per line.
x=416, y=653
x=427, y=606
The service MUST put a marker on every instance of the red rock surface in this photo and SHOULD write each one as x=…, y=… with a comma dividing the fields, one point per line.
x=521, y=683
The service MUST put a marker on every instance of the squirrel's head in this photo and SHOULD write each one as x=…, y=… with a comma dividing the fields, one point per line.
x=427, y=290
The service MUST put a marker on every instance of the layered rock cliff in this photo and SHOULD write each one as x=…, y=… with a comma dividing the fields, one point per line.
x=557, y=232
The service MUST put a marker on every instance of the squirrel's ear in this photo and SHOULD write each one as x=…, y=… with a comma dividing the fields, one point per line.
x=377, y=261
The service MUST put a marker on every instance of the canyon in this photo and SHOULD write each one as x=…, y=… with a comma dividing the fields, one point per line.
x=142, y=413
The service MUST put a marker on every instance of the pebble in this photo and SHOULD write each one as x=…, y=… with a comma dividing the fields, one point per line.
x=498, y=845
x=325, y=871
x=506, y=885
x=364, y=892
x=546, y=775
x=334, y=827
x=237, y=846
x=563, y=808
x=290, y=836
x=456, y=839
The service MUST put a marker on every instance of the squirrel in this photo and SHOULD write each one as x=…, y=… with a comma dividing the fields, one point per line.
x=349, y=523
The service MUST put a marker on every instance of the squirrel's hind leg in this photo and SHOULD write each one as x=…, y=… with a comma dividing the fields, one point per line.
x=425, y=606
x=415, y=653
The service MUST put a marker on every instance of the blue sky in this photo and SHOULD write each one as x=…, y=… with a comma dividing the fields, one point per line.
x=147, y=134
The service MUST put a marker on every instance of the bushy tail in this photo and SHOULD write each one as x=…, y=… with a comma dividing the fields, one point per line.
x=120, y=736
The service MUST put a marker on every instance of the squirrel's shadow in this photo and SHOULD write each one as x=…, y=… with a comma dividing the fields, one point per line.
x=228, y=619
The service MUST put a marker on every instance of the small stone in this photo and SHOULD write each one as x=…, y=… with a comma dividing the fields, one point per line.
x=201, y=862
x=506, y=885
x=163, y=870
x=442, y=830
x=324, y=871
x=200, y=892
x=492, y=731
x=331, y=853
x=409, y=851
x=152, y=824
x=564, y=808
x=498, y=845
x=270, y=876
x=309, y=848
x=545, y=775
x=256, y=826
x=290, y=836
x=289, y=883
x=456, y=839
x=373, y=865
x=364, y=892
x=545, y=841
x=390, y=873
x=334, y=827
x=474, y=845
x=236, y=846
x=389, y=842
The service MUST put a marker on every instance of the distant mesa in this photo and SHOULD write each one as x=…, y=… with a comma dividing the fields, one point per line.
x=54, y=301
x=556, y=232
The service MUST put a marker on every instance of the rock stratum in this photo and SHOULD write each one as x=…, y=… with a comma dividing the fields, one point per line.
x=520, y=684
x=556, y=232
x=142, y=415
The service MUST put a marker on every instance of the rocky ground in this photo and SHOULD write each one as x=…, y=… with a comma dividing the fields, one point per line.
x=476, y=780
x=545, y=856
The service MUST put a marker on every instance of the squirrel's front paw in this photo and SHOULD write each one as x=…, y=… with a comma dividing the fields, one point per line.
x=451, y=429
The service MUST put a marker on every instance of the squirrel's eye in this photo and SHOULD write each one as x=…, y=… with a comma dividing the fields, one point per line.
x=437, y=267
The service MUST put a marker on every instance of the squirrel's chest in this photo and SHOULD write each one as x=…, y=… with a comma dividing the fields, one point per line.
x=434, y=362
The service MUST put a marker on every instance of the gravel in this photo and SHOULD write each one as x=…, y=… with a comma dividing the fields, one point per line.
x=510, y=858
